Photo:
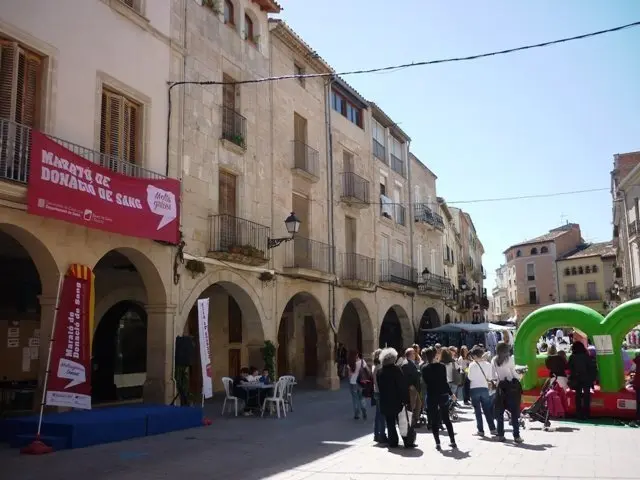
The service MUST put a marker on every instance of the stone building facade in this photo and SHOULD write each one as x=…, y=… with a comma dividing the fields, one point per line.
x=368, y=267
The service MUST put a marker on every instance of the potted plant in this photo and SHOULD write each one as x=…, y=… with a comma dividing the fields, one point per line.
x=214, y=5
x=196, y=267
x=269, y=355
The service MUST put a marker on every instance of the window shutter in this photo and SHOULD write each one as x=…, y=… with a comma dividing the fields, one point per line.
x=19, y=84
x=118, y=129
x=7, y=79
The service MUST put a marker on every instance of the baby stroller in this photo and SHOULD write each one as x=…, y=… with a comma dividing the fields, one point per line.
x=539, y=410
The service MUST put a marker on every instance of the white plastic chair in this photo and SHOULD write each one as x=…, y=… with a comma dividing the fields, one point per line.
x=288, y=390
x=277, y=399
x=228, y=389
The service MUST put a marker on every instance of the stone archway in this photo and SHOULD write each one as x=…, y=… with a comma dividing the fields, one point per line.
x=447, y=319
x=130, y=296
x=430, y=319
x=236, y=333
x=305, y=346
x=396, y=329
x=28, y=288
x=355, y=330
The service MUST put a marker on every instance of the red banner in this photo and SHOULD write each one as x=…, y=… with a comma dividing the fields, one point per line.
x=69, y=381
x=65, y=186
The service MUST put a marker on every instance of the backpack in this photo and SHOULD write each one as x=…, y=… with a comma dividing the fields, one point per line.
x=456, y=376
x=554, y=403
x=365, y=380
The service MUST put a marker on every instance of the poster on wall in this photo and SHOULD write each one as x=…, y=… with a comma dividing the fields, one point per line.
x=69, y=381
x=65, y=186
x=205, y=350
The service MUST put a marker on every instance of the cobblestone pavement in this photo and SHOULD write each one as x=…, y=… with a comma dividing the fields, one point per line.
x=321, y=441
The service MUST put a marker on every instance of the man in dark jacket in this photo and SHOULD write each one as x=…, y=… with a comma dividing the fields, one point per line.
x=394, y=395
x=412, y=375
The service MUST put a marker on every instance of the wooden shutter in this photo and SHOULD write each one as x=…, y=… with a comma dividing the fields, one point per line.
x=227, y=193
x=228, y=93
x=347, y=160
x=299, y=128
x=20, y=73
x=119, y=127
x=350, y=234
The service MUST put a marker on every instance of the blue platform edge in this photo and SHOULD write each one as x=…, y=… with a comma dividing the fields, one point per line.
x=77, y=429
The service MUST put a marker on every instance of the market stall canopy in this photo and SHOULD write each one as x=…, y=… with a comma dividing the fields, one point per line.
x=468, y=327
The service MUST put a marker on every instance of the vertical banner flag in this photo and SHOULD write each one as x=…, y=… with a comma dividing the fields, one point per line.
x=69, y=382
x=205, y=350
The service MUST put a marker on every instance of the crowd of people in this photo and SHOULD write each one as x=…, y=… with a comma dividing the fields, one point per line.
x=423, y=387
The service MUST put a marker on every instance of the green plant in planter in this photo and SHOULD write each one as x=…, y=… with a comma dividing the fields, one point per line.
x=238, y=140
x=214, y=5
x=196, y=267
x=269, y=356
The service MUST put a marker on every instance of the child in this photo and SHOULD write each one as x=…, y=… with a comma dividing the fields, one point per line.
x=265, y=377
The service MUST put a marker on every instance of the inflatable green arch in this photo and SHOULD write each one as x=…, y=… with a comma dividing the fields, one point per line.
x=615, y=325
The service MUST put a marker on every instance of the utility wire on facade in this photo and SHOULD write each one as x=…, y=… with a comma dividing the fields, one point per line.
x=486, y=200
x=416, y=64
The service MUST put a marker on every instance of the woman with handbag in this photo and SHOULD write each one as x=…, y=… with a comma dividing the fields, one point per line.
x=481, y=383
x=393, y=392
x=508, y=392
x=439, y=395
x=355, y=365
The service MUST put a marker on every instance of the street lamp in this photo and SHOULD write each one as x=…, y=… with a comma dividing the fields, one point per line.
x=293, y=226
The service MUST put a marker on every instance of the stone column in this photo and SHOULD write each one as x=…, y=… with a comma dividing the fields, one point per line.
x=159, y=387
x=327, y=374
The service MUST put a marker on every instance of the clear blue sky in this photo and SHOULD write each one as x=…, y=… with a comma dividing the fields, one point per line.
x=541, y=121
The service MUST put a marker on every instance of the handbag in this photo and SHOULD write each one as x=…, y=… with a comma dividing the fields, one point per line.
x=403, y=422
x=491, y=385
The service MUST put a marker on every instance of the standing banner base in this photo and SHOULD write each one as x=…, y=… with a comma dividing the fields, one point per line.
x=37, y=447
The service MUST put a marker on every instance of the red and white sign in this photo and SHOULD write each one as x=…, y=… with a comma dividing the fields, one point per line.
x=65, y=186
x=69, y=380
x=205, y=350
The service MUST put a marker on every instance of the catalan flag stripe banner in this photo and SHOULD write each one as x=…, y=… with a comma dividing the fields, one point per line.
x=69, y=382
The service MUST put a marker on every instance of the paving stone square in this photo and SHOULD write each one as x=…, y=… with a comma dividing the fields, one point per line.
x=321, y=441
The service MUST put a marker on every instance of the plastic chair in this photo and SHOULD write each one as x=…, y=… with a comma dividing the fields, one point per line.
x=288, y=390
x=228, y=389
x=277, y=399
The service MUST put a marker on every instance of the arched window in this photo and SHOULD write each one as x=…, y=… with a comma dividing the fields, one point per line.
x=534, y=251
x=587, y=269
x=518, y=253
x=544, y=250
x=580, y=270
x=574, y=271
x=248, y=29
x=594, y=269
x=229, y=16
x=567, y=271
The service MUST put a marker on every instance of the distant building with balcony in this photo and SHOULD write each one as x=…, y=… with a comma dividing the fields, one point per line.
x=500, y=294
x=586, y=275
x=531, y=268
x=625, y=191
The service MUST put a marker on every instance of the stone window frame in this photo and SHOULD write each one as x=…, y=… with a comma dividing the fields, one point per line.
x=106, y=81
x=137, y=13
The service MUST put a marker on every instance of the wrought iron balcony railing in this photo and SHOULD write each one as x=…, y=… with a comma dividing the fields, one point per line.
x=238, y=236
x=430, y=282
x=358, y=268
x=397, y=165
x=15, y=153
x=589, y=297
x=394, y=211
x=308, y=254
x=355, y=187
x=423, y=213
x=379, y=151
x=306, y=158
x=234, y=127
x=396, y=272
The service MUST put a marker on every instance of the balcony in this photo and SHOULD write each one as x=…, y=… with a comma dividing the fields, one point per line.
x=533, y=301
x=15, y=151
x=423, y=213
x=358, y=271
x=234, y=128
x=355, y=189
x=394, y=211
x=398, y=273
x=448, y=260
x=237, y=240
x=379, y=151
x=465, y=303
x=306, y=258
x=432, y=284
x=306, y=161
x=633, y=229
x=590, y=297
x=397, y=165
